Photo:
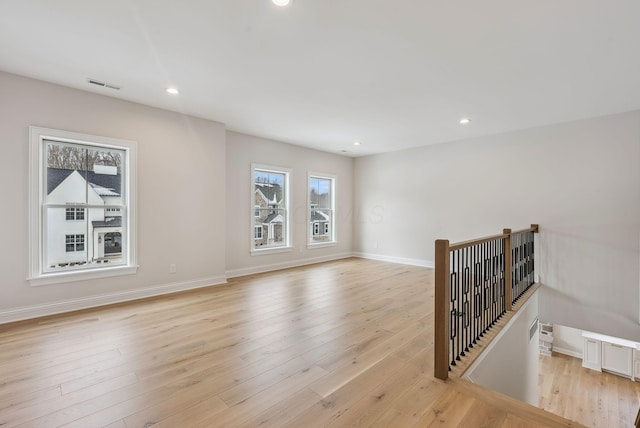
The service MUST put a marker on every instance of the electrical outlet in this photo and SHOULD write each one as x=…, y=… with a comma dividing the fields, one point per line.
x=172, y=268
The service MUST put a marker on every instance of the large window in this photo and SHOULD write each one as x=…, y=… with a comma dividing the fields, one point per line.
x=270, y=208
x=321, y=215
x=82, y=206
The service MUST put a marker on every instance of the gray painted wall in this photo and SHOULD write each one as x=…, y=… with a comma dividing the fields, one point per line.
x=242, y=151
x=180, y=159
x=580, y=181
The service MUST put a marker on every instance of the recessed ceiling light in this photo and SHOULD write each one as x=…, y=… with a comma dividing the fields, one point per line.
x=464, y=121
x=281, y=2
x=357, y=143
x=173, y=91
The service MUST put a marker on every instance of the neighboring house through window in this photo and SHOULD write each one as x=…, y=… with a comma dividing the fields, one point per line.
x=321, y=209
x=83, y=206
x=270, y=206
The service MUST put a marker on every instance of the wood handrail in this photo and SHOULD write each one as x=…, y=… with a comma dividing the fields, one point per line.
x=534, y=228
x=465, y=244
x=472, y=242
x=638, y=419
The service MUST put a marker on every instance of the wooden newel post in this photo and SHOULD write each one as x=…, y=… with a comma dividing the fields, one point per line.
x=507, y=270
x=441, y=312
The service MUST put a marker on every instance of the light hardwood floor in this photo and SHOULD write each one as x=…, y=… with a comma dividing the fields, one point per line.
x=586, y=396
x=345, y=343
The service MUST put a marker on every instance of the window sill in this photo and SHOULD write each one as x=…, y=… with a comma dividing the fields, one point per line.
x=275, y=250
x=63, y=277
x=322, y=245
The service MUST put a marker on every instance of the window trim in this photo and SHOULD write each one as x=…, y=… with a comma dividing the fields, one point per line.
x=333, y=224
x=288, y=173
x=255, y=229
x=37, y=180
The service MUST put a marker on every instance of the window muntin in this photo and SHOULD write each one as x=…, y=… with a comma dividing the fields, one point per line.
x=270, y=207
x=74, y=243
x=321, y=214
x=74, y=214
x=82, y=211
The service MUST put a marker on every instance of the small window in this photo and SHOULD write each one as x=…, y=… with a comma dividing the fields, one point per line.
x=74, y=243
x=75, y=214
x=321, y=209
x=257, y=232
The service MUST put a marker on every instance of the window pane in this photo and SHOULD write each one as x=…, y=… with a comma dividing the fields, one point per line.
x=269, y=210
x=79, y=175
x=273, y=228
x=85, y=242
x=66, y=174
x=322, y=220
x=106, y=240
x=64, y=240
x=105, y=175
x=320, y=192
x=321, y=209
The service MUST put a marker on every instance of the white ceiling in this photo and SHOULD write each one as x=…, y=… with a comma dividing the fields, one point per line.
x=325, y=73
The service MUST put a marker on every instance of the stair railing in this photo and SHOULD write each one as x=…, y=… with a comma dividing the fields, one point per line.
x=476, y=283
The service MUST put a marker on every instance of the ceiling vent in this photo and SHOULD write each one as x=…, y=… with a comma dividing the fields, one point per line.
x=103, y=84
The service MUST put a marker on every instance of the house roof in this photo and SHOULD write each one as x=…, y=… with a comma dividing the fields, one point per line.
x=268, y=191
x=271, y=217
x=108, y=222
x=318, y=216
x=103, y=184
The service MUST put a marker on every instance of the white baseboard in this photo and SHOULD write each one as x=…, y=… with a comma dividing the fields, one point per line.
x=233, y=273
x=392, y=259
x=567, y=352
x=35, y=311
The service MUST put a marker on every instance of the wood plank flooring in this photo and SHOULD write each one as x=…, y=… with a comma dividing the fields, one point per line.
x=340, y=344
x=589, y=397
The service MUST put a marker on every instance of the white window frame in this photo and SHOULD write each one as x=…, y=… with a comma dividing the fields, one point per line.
x=37, y=193
x=333, y=241
x=286, y=247
x=255, y=229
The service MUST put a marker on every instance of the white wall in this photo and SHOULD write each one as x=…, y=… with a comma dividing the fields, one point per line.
x=181, y=165
x=510, y=363
x=567, y=340
x=580, y=181
x=242, y=151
